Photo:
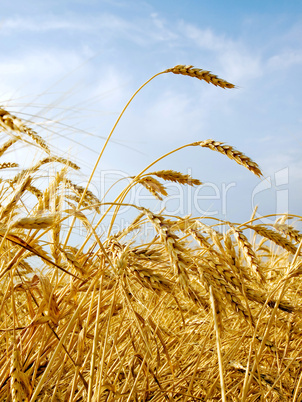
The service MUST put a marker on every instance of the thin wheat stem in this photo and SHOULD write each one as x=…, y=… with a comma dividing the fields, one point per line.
x=218, y=343
x=95, y=342
x=103, y=149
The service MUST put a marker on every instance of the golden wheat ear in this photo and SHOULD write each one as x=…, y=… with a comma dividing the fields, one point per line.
x=176, y=177
x=204, y=75
x=231, y=153
x=9, y=122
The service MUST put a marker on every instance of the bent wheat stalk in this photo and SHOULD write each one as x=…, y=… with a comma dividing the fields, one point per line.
x=179, y=69
x=227, y=150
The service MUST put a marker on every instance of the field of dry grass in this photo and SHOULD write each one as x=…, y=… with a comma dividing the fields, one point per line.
x=199, y=312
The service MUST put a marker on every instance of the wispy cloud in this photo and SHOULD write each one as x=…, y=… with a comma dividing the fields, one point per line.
x=285, y=59
x=39, y=23
x=233, y=55
x=139, y=30
x=132, y=46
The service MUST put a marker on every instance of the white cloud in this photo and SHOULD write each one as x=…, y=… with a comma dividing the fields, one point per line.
x=40, y=24
x=138, y=30
x=236, y=59
x=131, y=46
x=285, y=59
x=204, y=38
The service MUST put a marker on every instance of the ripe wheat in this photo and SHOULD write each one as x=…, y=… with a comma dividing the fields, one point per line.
x=164, y=308
x=200, y=74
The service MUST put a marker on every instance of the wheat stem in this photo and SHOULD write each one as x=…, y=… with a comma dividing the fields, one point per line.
x=103, y=149
x=218, y=343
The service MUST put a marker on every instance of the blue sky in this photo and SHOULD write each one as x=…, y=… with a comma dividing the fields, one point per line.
x=74, y=64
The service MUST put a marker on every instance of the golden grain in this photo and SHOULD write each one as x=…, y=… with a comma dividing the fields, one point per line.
x=127, y=315
x=91, y=200
x=15, y=197
x=274, y=237
x=6, y=165
x=35, y=222
x=176, y=177
x=7, y=144
x=232, y=153
x=8, y=122
x=200, y=74
x=248, y=252
x=154, y=186
x=289, y=231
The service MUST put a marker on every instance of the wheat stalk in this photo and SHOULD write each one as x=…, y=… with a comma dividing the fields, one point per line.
x=218, y=343
x=57, y=159
x=260, y=297
x=180, y=69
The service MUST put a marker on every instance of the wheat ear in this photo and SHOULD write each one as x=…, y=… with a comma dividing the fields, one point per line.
x=223, y=289
x=176, y=177
x=16, y=195
x=10, y=122
x=80, y=191
x=35, y=222
x=17, y=389
x=7, y=144
x=232, y=153
x=248, y=252
x=154, y=186
x=275, y=237
x=6, y=165
x=200, y=74
x=172, y=246
x=289, y=231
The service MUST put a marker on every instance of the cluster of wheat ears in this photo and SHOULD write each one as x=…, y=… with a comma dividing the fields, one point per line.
x=198, y=313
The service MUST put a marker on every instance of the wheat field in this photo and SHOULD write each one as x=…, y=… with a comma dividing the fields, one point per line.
x=199, y=312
